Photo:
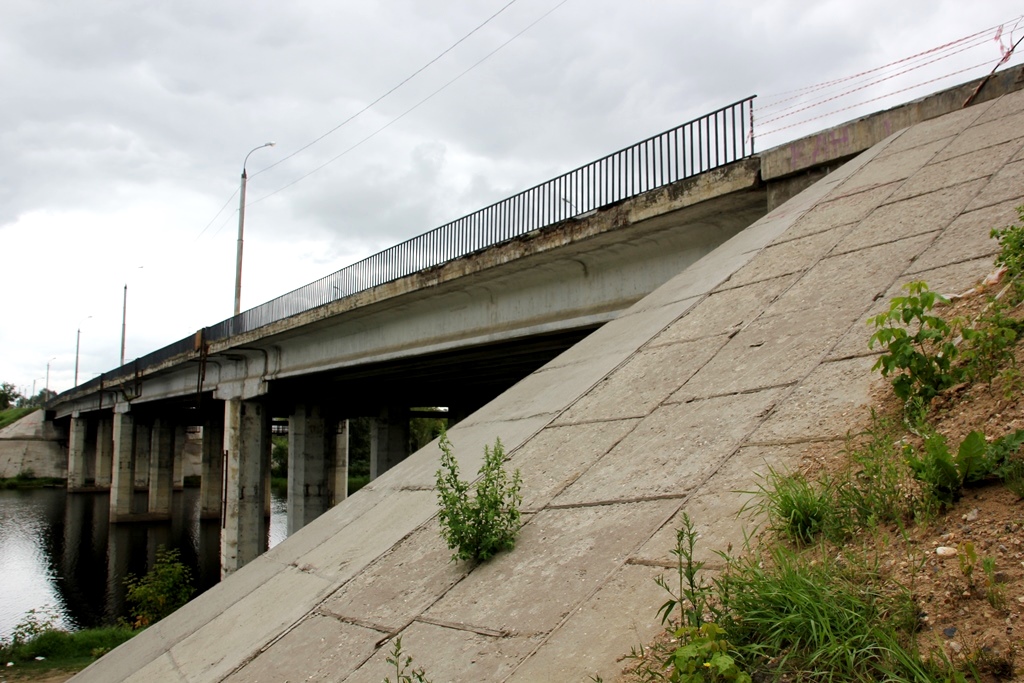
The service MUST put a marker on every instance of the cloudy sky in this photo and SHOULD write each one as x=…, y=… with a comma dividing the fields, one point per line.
x=125, y=123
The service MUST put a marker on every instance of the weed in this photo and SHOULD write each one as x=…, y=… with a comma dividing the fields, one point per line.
x=1011, y=255
x=402, y=662
x=795, y=506
x=944, y=473
x=967, y=557
x=994, y=592
x=789, y=614
x=692, y=589
x=919, y=348
x=987, y=350
x=480, y=527
x=165, y=587
x=1013, y=476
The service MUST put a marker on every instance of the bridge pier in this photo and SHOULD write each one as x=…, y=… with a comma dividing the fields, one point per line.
x=122, y=486
x=211, y=483
x=310, y=442
x=76, y=452
x=104, y=451
x=339, y=467
x=143, y=445
x=161, y=469
x=247, y=443
x=389, y=439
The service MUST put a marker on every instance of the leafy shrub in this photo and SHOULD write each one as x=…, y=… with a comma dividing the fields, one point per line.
x=1011, y=255
x=919, y=348
x=479, y=527
x=165, y=587
x=975, y=461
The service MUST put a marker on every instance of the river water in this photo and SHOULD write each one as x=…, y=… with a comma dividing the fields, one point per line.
x=60, y=557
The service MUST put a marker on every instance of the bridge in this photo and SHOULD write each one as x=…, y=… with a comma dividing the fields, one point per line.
x=451, y=318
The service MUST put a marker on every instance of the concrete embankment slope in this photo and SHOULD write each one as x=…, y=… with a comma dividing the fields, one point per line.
x=32, y=445
x=755, y=351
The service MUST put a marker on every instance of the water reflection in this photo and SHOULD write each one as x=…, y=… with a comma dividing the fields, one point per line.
x=60, y=555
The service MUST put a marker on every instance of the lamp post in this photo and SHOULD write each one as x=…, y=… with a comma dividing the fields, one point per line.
x=124, y=318
x=78, y=344
x=47, y=387
x=241, y=225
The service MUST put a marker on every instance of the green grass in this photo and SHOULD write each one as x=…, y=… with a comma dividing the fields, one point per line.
x=26, y=480
x=64, y=650
x=12, y=415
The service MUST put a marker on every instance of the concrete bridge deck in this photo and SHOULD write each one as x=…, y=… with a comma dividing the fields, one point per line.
x=755, y=350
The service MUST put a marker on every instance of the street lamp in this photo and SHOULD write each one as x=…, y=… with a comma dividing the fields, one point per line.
x=241, y=225
x=78, y=344
x=124, y=318
x=48, y=373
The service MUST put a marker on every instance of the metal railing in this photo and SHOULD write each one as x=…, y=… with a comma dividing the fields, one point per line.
x=713, y=140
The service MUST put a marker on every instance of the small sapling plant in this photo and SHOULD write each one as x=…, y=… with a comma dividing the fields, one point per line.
x=919, y=348
x=478, y=527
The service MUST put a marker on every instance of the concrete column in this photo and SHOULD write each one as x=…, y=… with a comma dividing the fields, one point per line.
x=143, y=446
x=161, y=468
x=308, y=456
x=247, y=442
x=211, y=485
x=338, y=471
x=180, y=436
x=122, y=486
x=389, y=440
x=104, y=452
x=76, y=453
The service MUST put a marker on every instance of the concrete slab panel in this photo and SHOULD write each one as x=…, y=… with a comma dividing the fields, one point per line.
x=724, y=311
x=833, y=397
x=984, y=135
x=1005, y=186
x=770, y=352
x=400, y=585
x=967, y=238
x=369, y=536
x=617, y=618
x=980, y=164
x=237, y=634
x=149, y=645
x=842, y=209
x=561, y=558
x=715, y=510
x=840, y=287
x=161, y=669
x=785, y=258
x=914, y=216
x=644, y=381
x=944, y=127
x=468, y=440
x=621, y=337
x=556, y=457
x=948, y=280
x=321, y=648
x=1007, y=105
x=673, y=451
x=447, y=654
x=892, y=167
